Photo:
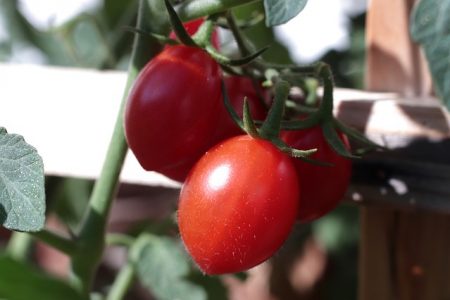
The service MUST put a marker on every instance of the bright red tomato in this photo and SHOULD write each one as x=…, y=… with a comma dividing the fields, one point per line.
x=238, y=87
x=192, y=27
x=172, y=108
x=322, y=187
x=238, y=205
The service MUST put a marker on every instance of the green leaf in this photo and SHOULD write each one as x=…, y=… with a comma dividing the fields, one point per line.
x=430, y=26
x=22, y=191
x=280, y=11
x=163, y=267
x=22, y=282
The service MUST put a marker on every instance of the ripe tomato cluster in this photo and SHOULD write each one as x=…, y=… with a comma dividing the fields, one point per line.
x=241, y=195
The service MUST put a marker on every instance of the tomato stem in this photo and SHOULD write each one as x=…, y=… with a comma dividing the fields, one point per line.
x=19, y=245
x=272, y=124
x=245, y=51
x=326, y=108
x=237, y=34
x=91, y=237
x=190, y=10
x=127, y=273
x=63, y=244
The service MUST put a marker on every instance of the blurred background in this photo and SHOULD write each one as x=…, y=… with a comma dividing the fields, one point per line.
x=319, y=261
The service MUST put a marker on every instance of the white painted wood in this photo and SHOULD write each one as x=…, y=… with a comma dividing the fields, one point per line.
x=69, y=115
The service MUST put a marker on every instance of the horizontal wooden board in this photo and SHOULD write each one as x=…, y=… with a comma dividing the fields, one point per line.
x=68, y=115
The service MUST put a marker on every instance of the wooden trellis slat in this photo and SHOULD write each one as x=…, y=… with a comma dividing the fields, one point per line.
x=404, y=254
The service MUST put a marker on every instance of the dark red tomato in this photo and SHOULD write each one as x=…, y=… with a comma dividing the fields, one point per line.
x=322, y=187
x=237, y=87
x=172, y=108
x=192, y=27
x=238, y=205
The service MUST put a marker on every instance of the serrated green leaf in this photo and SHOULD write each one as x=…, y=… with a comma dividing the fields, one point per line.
x=22, y=192
x=163, y=267
x=280, y=11
x=22, y=282
x=430, y=22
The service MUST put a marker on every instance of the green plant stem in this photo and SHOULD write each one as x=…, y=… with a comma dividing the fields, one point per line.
x=57, y=241
x=122, y=282
x=91, y=237
x=324, y=73
x=119, y=239
x=190, y=10
x=19, y=245
x=126, y=275
x=272, y=124
x=240, y=41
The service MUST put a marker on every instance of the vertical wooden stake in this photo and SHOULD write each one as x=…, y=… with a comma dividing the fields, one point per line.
x=403, y=255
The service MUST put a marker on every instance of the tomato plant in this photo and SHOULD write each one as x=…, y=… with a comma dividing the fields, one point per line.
x=322, y=186
x=172, y=108
x=238, y=205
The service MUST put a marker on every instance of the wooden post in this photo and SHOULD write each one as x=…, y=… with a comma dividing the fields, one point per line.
x=403, y=255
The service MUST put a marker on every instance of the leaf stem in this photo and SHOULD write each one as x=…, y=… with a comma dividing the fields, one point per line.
x=19, y=245
x=119, y=239
x=190, y=10
x=126, y=275
x=59, y=242
x=122, y=282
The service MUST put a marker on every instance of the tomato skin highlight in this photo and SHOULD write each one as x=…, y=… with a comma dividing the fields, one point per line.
x=322, y=187
x=238, y=205
x=172, y=107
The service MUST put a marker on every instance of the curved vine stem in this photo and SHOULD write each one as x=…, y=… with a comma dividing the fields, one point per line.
x=91, y=237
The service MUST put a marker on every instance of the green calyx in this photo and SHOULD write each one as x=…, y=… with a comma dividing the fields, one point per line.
x=281, y=77
x=270, y=128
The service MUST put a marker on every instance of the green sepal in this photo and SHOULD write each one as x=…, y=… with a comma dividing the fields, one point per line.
x=299, y=154
x=272, y=124
x=231, y=70
x=177, y=26
x=160, y=38
x=223, y=60
x=249, y=124
x=233, y=114
x=358, y=137
x=203, y=35
x=332, y=138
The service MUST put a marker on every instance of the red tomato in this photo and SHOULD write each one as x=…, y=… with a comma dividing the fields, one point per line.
x=322, y=187
x=192, y=27
x=237, y=87
x=238, y=205
x=172, y=108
